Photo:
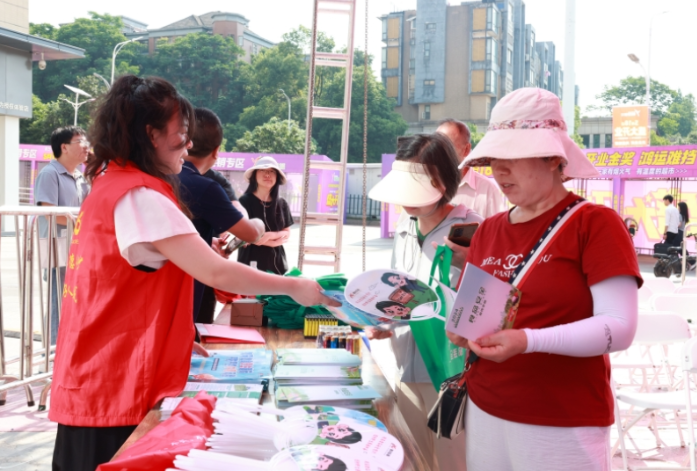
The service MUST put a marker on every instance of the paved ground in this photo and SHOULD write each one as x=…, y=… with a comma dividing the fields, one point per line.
x=25, y=451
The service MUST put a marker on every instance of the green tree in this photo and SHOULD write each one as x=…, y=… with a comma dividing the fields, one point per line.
x=301, y=37
x=384, y=124
x=632, y=91
x=97, y=35
x=205, y=68
x=680, y=117
x=475, y=135
x=274, y=137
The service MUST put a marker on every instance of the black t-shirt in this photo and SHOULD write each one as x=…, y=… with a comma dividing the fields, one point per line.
x=218, y=177
x=271, y=259
x=213, y=212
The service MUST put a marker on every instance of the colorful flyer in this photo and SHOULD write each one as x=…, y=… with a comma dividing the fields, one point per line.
x=484, y=305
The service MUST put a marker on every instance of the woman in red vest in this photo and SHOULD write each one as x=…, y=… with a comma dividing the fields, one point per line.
x=126, y=335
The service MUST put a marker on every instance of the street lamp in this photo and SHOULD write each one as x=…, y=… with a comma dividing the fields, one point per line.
x=647, y=70
x=77, y=104
x=284, y=94
x=117, y=49
x=106, y=82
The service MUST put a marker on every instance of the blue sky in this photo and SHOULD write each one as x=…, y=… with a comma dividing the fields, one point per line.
x=607, y=30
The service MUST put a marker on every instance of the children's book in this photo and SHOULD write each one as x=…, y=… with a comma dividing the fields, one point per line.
x=226, y=392
x=233, y=366
x=352, y=397
x=317, y=356
x=290, y=375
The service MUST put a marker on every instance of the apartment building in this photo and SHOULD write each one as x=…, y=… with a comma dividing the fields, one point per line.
x=456, y=61
x=215, y=22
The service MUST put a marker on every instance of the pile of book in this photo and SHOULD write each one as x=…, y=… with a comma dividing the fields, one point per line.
x=350, y=397
x=310, y=366
x=307, y=375
x=249, y=394
x=232, y=366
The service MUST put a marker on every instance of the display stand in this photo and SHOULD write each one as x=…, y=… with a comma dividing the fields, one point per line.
x=386, y=407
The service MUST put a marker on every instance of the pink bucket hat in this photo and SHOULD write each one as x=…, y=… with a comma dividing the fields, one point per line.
x=529, y=123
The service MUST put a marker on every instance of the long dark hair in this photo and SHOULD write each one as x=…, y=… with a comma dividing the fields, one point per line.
x=437, y=154
x=684, y=212
x=254, y=186
x=119, y=131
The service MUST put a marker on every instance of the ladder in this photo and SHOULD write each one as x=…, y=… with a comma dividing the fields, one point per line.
x=347, y=9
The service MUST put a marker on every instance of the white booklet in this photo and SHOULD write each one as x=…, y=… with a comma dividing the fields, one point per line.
x=484, y=305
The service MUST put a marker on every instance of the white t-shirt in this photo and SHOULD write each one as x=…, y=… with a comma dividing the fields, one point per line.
x=672, y=218
x=479, y=194
x=143, y=216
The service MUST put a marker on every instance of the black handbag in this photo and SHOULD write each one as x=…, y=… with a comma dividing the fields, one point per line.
x=447, y=417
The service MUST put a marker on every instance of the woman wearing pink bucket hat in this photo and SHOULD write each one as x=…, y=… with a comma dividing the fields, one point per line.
x=540, y=395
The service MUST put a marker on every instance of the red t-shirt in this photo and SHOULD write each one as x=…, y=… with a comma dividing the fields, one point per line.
x=541, y=388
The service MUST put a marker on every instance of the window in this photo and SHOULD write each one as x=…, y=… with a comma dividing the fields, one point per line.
x=412, y=65
x=510, y=56
x=429, y=87
x=586, y=138
x=486, y=19
x=608, y=140
x=412, y=41
x=596, y=141
x=492, y=19
x=384, y=57
x=392, y=87
x=484, y=81
x=427, y=112
x=393, y=28
x=384, y=29
x=392, y=58
x=427, y=50
x=241, y=40
x=430, y=26
x=485, y=50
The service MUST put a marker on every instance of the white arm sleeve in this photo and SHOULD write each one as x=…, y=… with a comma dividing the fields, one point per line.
x=611, y=329
x=143, y=216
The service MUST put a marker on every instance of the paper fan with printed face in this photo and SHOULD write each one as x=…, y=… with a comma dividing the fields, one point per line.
x=394, y=295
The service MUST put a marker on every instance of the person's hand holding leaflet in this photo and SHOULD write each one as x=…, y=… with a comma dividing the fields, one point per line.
x=611, y=328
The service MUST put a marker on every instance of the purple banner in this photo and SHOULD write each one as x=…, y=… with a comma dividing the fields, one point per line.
x=236, y=161
x=645, y=162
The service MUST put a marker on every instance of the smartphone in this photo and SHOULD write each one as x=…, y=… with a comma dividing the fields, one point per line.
x=231, y=243
x=461, y=234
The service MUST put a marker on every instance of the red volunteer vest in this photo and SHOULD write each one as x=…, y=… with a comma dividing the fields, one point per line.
x=125, y=335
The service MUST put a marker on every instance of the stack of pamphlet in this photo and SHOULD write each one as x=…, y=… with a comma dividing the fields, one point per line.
x=232, y=366
x=225, y=392
x=350, y=397
x=317, y=357
x=306, y=375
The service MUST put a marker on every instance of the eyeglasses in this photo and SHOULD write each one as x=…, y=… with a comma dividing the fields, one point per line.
x=82, y=142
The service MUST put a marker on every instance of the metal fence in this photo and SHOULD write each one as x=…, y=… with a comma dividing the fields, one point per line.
x=354, y=207
x=25, y=295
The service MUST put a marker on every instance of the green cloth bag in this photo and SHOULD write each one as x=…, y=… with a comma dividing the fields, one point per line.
x=442, y=358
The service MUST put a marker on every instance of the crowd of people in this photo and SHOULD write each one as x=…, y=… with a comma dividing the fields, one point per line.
x=539, y=396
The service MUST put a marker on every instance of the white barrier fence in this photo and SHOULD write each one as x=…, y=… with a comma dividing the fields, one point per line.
x=42, y=237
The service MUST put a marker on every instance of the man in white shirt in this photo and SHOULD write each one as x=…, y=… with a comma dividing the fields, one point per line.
x=476, y=191
x=672, y=221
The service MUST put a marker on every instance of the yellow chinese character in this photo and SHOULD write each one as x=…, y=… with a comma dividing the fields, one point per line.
x=689, y=157
x=614, y=160
x=602, y=160
x=78, y=224
x=627, y=159
x=592, y=156
x=674, y=157
x=646, y=158
x=71, y=262
x=79, y=261
x=660, y=158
